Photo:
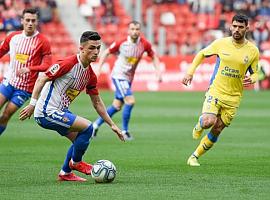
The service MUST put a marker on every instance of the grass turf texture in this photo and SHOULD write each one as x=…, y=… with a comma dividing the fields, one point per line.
x=153, y=166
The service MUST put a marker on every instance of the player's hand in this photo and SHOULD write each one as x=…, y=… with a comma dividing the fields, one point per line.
x=159, y=77
x=22, y=71
x=26, y=112
x=187, y=79
x=247, y=81
x=118, y=132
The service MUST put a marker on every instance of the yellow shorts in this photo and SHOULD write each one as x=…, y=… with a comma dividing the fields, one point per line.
x=214, y=106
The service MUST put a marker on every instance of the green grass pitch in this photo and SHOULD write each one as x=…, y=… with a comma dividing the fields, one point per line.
x=153, y=166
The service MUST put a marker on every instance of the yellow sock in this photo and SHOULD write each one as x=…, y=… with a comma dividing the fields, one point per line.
x=206, y=143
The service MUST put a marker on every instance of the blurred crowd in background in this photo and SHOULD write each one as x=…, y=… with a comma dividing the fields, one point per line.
x=190, y=24
x=11, y=10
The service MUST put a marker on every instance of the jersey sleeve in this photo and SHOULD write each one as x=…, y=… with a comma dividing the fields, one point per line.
x=46, y=47
x=58, y=69
x=114, y=47
x=149, y=49
x=212, y=49
x=4, y=48
x=91, y=87
x=254, y=67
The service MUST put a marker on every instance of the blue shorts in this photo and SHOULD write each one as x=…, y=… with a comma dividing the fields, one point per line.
x=122, y=88
x=16, y=96
x=58, y=121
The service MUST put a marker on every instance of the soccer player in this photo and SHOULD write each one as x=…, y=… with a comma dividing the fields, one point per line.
x=130, y=51
x=57, y=88
x=30, y=53
x=235, y=57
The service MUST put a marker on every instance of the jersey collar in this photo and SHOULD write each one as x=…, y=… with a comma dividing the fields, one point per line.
x=23, y=32
x=129, y=40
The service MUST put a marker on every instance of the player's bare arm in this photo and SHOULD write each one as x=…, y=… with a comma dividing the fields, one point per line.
x=157, y=67
x=101, y=110
x=102, y=59
x=27, y=111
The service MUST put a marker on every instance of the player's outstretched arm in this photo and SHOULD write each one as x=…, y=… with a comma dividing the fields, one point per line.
x=191, y=70
x=28, y=110
x=156, y=62
x=102, y=59
x=101, y=110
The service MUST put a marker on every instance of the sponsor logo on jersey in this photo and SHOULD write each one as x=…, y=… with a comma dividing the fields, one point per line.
x=22, y=58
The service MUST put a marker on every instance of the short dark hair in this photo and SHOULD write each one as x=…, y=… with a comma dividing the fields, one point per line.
x=89, y=35
x=31, y=11
x=240, y=18
x=134, y=22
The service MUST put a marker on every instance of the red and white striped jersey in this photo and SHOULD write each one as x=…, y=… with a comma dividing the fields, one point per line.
x=68, y=79
x=33, y=52
x=129, y=56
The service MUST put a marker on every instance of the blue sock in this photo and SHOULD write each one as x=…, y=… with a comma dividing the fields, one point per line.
x=81, y=143
x=2, y=129
x=211, y=137
x=126, y=116
x=111, y=110
x=65, y=166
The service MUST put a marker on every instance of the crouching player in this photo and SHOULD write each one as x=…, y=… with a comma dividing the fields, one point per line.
x=57, y=88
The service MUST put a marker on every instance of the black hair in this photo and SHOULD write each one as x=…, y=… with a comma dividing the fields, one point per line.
x=89, y=35
x=31, y=11
x=134, y=22
x=240, y=18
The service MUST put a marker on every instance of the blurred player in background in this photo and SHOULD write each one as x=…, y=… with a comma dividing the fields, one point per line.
x=58, y=87
x=30, y=53
x=235, y=57
x=130, y=51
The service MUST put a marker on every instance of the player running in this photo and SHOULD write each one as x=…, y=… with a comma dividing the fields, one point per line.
x=235, y=57
x=130, y=51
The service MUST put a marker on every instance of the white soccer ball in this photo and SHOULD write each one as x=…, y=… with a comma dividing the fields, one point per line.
x=103, y=171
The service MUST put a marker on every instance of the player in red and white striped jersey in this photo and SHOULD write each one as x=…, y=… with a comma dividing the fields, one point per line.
x=58, y=87
x=30, y=53
x=130, y=52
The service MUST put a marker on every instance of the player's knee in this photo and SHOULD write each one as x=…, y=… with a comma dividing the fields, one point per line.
x=130, y=102
x=207, y=122
x=117, y=107
x=4, y=118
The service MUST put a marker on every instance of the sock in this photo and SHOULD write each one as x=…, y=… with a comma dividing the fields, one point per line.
x=206, y=143
x=65, y=166
x=111, y=110
x=2, y=129
x=81, y=143
x=126, y=116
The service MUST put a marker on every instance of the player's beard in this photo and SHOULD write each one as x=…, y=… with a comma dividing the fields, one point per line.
x=238, y=36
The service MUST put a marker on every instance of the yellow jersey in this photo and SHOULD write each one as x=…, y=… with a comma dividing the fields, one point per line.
x=233, y=62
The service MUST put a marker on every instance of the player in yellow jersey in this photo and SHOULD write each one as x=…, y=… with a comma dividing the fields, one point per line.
x=235, y=57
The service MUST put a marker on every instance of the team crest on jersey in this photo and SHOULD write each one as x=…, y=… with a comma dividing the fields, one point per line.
x=246, y=59
x=65, y=119
x=54, y=69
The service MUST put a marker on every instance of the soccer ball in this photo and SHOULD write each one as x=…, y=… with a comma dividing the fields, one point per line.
x=103, y=171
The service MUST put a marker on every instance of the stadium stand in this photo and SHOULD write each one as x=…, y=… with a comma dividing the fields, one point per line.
x=200, y=21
